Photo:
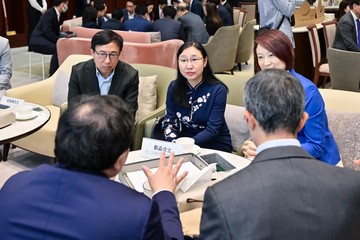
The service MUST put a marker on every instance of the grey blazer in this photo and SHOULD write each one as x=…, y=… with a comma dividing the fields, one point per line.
x=5, y=65
x=125, y=82
x=345, y=36
x=284, y=194
x=194, y=28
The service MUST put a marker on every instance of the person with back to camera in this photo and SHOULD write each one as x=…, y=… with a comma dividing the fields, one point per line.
x=347, y=36
x=212, y=19
x=115, y=22
x=168, y=27
x=89, y=18
x=284, y=193
x=196, y=101
x=343, y=8
x=77, y=198
x=272, y=49
x=105, y=73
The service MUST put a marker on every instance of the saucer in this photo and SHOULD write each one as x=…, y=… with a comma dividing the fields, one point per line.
x=196, y=149
x=25, y=117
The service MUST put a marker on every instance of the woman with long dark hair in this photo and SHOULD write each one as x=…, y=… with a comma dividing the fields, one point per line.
x=196, y=100
x=212, y=20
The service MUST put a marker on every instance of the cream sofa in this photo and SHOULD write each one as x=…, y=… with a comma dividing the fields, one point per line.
x=44, y=93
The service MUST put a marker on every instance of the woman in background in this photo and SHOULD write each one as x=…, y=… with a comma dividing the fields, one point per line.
x=273, y=49
x=212, y=19
x=150, y=10
x=344, y=7
x=195, y=101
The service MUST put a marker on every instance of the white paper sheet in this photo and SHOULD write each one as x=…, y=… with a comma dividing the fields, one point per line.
x=137, y=178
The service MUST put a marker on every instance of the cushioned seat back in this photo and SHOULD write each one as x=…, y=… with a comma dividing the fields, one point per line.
x=236, y=86
x=68, y=46
x=161, y=53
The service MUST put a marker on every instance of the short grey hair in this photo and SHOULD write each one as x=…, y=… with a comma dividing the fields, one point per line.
x=276, y=99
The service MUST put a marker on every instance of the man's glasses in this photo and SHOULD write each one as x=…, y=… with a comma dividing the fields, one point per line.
x=103, y=55
x=192, y=60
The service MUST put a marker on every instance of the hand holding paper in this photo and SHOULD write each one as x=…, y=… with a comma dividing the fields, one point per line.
x=165, y=177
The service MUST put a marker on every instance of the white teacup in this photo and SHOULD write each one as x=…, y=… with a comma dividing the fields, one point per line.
x=24, y=110
x=187, y=143
x=147, y=189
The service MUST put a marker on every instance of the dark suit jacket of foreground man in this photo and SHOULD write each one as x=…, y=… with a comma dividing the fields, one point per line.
x=124, y=83
x=284, y=194
x=61, y=206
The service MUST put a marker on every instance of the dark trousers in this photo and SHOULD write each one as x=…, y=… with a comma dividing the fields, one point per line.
x=48, y=49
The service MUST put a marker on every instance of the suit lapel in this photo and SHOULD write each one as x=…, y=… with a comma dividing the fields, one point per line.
x=91, y=77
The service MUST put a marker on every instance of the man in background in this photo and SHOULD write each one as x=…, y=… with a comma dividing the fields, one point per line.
x=47, y=31
x=105, y=74
x=195, y=7
x=36, y=8
x=167, y=26
x=76, y=198
x=139, y=23
x=347, y=36
x=193, y=25
x=115, y=22
x=5, y=66
x=129, y=11
x=284, y=193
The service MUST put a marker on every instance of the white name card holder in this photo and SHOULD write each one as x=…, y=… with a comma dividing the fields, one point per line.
x=151, y=148
x=12, y=101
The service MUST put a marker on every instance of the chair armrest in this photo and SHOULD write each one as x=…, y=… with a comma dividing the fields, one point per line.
x=39, y=92
x=140, y=126
x=63, y=107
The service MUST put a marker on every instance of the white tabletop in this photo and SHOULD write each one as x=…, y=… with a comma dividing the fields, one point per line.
x=237, y=161
x=24, y=127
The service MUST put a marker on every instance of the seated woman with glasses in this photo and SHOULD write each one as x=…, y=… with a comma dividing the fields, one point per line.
x=273, y=49
x=105, y=74
x=196, y=101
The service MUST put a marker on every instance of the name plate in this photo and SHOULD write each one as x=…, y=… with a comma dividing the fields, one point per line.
x=12, y=101
x=151, y=148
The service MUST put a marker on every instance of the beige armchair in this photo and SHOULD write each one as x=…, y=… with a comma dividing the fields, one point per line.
x=343, y=72
x=343, y=117
x=245, y=43
x=164, y=76
x=222, y=47
x=42, y=92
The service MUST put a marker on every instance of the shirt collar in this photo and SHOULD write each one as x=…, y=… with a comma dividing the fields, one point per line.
x=277, y=143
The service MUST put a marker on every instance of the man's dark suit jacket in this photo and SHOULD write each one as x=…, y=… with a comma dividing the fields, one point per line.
x=138, y=24
x=284, y=194
x=124, y=83
x=194, y=28
x=225, y=16
x=47, y=30
x=345, y=36
x=50, y=202
x=197, y=8
x=112, y=24
x=169, y=29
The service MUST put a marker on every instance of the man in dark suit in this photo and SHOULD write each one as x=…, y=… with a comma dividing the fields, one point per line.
x=139, y=23
x=105, y=73
x=284, y=193
x=194, y=27
x=167, y=26
x=346, y=37
x=46, y=33
x=158, y=9
x=195, y=7
x=129, y=11
x=77, y=198
x=36, y=8
x=115, y=23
